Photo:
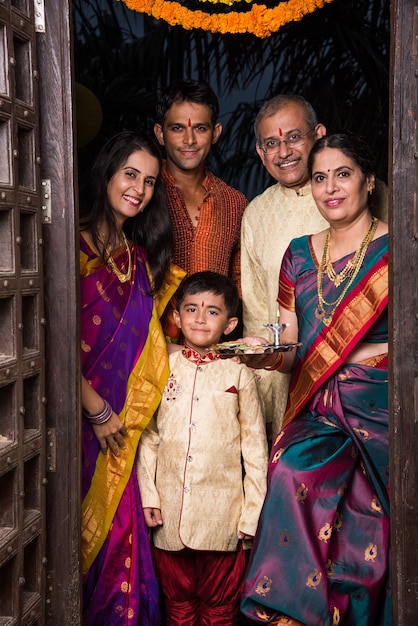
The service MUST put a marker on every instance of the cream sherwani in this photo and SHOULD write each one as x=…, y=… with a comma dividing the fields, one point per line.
x=270, y=222
x=191, y=457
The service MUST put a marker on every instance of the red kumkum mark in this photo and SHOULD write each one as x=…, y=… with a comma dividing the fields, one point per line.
x=203, y=304
x=280, y=132
x=189, y=123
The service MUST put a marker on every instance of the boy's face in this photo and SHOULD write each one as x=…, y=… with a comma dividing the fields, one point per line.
x=203, y=319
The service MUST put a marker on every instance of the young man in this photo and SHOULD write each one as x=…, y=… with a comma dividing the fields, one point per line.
x=286, y=128
x=202, y=463
x=205, y=212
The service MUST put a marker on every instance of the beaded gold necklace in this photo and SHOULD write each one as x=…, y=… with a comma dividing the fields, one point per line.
x=327, y=309
x=111, y=263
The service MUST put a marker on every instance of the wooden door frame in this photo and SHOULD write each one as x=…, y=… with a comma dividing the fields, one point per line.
x=403, y=387
x=62, y=330
x=61, y=261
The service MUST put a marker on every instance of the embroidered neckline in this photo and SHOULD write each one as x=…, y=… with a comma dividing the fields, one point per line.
x=195, y=357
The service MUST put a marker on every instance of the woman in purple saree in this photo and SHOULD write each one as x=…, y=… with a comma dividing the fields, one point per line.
x=321, y=553
x=125, y=285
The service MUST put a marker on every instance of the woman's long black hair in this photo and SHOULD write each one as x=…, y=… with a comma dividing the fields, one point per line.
x=152, y=227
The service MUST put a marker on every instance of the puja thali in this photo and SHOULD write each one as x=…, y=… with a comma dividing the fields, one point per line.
x=231, y=348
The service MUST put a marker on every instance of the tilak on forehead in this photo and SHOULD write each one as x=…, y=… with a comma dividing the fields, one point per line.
x=189, y=122
x=203, y=304
x=280, y=132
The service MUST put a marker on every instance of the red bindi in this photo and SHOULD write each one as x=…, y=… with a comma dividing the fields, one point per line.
x=203, y=304
x=189, y=123
x=280, y=132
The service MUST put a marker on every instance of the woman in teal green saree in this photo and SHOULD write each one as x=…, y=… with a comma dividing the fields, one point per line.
x=321, y=553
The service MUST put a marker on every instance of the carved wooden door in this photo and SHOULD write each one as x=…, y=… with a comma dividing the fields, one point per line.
x=22, y=321
x=39, y=412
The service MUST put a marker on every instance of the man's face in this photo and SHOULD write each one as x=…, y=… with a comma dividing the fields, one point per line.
x=287, y=162
x=187, y=135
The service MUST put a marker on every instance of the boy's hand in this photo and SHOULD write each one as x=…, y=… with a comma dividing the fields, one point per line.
x=244, y=536
x=152, y=517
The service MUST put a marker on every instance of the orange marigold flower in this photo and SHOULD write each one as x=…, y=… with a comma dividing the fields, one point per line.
x=259, y=21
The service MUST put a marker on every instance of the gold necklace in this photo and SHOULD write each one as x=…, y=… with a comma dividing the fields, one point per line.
x=111, y=263
x=351, y=270
x=347, y=271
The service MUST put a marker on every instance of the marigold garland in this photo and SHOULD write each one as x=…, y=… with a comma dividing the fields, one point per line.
x=259, y=21
x=228, y=2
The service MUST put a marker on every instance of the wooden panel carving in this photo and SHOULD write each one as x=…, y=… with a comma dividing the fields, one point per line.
x=22, y=322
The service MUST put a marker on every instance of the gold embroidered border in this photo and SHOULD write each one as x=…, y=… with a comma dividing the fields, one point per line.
x=340, y=335
x=145, y=387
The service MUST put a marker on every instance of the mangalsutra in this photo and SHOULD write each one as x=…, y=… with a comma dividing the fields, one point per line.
x=111, y=263
x=350, y=271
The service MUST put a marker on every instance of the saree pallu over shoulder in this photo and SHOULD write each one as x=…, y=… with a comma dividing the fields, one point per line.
x=145, y=386
x=325, y=348
x=173, y=279
x=124, y=357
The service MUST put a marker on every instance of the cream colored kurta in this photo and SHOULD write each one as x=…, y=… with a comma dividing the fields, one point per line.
x=270, y=222
x=189, y=462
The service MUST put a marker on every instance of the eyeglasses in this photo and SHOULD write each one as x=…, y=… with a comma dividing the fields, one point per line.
x=273, y=145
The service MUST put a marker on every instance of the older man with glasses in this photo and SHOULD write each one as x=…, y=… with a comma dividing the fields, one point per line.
x=286, y=128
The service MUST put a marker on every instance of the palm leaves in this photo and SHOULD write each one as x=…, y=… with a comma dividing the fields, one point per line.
x=337, y=57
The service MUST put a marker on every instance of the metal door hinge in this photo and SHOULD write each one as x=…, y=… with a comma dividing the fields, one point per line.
x=39, y=11
x=46, y=201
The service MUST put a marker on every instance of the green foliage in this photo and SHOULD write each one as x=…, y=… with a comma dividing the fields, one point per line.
x=337, y=57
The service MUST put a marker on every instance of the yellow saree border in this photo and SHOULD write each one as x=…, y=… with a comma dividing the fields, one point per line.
x=145, y=386
x=329, y=353
x=173, y=279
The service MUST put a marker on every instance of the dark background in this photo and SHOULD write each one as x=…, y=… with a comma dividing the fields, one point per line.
x=337, y=57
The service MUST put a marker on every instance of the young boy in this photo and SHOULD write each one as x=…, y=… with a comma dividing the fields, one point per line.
x=202, y=463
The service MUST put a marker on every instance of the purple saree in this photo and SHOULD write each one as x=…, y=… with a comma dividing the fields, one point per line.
x=322, y=546
x=124, y=358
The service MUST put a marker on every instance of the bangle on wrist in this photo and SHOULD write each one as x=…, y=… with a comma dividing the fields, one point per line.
x=277, y=365
x=102, y=416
